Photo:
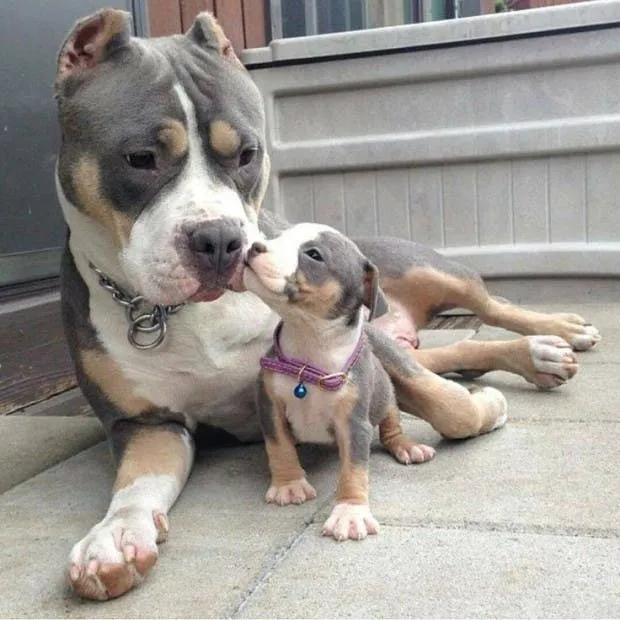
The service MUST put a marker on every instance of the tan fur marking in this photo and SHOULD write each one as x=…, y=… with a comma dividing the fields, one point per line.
x=424, y=289
x=224, y=138
x=153, y=451
x=447, y=406
x=390, y=430
x=87, y=185
x=319, y=300
x=107, y=375
x=283, y=459
x=352, y=485
x=353, y=479
x=174, y=137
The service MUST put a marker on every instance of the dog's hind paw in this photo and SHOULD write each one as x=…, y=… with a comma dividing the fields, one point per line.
x=350, y=521
x=295, y=492
x=117, y=553
x=408, y=452
x=553, y=360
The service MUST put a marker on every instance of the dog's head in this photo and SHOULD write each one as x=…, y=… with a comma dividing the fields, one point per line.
x=314, y=272
x=163, y=146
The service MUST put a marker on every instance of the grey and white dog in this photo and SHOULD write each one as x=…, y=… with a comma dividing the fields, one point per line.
x=161, y=173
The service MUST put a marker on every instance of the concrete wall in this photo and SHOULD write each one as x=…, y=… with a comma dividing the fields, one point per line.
x=494, y=138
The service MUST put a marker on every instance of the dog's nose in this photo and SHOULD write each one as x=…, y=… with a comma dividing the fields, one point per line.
x=257, y=248
x=217, y=243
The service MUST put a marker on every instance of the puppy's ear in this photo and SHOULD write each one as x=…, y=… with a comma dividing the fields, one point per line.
x=92, y=41
x=374, y=298
x=208, y=34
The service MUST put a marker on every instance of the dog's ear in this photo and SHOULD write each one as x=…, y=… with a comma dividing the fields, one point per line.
x=206, y=32
x=374, y=298
x=91, y=41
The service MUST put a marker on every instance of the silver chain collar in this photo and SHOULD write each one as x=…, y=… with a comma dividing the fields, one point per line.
x=141, y=321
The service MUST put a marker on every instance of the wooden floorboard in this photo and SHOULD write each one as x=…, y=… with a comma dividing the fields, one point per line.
x=34, y=360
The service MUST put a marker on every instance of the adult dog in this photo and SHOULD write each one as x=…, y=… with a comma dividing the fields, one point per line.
x=160, y=176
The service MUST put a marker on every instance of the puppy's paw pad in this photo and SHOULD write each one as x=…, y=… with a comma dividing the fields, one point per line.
x=350, y=522
x=553, y=360
x=295, y=492
x=115, y=555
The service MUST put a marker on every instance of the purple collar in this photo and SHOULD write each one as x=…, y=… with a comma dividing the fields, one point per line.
x=306, y=373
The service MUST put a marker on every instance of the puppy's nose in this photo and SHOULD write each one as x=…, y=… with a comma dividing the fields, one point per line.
x=217, y=244
x=257, y=248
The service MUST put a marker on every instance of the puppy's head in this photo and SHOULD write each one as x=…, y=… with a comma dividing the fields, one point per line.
x=313, y=271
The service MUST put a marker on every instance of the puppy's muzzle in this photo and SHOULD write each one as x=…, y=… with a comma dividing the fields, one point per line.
x=217, y=245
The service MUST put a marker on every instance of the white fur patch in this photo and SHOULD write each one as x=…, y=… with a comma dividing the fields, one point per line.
x=350, y=522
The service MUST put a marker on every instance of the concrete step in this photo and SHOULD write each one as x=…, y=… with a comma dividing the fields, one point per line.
x=29, y=445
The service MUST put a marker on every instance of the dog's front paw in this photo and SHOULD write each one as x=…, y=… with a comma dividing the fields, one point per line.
x=295, y=492
x=350, y=521
x=117, y=553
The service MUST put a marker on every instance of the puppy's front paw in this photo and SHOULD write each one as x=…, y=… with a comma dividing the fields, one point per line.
x=295, y=492
x=350, y=521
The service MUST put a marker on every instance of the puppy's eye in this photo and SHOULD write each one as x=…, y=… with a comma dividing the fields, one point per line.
x=314, y=254
x=246, y=156
x=141, y=160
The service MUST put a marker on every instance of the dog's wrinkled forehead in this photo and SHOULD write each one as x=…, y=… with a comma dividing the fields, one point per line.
x=132, y=96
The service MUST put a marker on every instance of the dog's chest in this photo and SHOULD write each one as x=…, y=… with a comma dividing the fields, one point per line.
x=210, y=356
x=312, y=417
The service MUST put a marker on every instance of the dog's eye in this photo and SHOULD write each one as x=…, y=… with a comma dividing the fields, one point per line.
x=142, y=160
x=314, y=254
x=246, y=156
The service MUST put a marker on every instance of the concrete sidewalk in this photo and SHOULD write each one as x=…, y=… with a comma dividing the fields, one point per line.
x=524, y=522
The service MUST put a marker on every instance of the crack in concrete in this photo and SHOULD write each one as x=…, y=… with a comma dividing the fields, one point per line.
x=281, y=553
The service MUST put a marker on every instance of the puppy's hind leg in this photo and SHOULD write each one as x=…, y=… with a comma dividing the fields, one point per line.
x=451, y=409
x=120, y=550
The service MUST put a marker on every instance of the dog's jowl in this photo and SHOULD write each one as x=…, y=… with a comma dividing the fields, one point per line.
x=160, y=175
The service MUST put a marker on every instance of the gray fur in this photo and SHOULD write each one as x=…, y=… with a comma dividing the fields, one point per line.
x=375, y=398
x=392, y=358
x=395, y=257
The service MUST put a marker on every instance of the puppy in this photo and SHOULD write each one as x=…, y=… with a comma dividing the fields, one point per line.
x=321, y=381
